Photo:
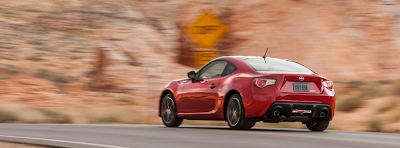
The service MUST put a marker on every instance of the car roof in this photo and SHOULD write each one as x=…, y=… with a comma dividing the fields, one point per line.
x=242, y=58
x=247, y=57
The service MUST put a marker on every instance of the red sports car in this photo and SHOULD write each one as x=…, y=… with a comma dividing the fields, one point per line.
x=245, y=90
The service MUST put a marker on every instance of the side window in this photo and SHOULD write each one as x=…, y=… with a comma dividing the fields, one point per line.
x=212, y=70
x=231, y=68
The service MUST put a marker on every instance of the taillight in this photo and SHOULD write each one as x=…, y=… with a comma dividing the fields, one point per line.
x=328, y=84
x=261, y=83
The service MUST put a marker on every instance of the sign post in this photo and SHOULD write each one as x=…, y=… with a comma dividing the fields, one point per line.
x=203, y=57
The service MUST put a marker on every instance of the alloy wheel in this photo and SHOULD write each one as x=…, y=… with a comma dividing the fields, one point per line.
x=234, y=112
x=167, y=110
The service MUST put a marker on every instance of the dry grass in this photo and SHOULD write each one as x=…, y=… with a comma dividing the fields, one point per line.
x=22, y=114
x=370, y=91
x=32, y=116
x=126, y=101
x=87, y=114
x=35, y=58
x=391, y=104
x=396, y=90
x=356, y=92
x=395, y=116
x=53, y=116
x=55, y=77
x=118, y=114
x=354, y=83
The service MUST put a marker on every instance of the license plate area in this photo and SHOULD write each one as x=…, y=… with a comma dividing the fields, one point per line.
x=300, y=87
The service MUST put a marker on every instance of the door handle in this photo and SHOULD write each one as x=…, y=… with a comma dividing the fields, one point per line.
x=212, y=86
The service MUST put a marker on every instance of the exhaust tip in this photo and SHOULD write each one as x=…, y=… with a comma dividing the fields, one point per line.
x=277, y=113
x=322, y=114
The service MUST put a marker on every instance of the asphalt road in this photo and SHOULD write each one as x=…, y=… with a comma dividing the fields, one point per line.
x=157, y=136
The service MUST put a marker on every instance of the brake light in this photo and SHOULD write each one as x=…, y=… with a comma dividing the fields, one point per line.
x=328, y=84
x=261, y=83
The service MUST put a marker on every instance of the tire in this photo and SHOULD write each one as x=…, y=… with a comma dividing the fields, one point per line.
x=318, y=125
x=251, y=125
x=234, y=113
x=168, y=111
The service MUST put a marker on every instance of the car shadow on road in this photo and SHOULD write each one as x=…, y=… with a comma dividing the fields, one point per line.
x=255, y=129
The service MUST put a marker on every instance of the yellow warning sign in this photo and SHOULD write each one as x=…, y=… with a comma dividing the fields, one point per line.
x=206, y=30
x=203, y=57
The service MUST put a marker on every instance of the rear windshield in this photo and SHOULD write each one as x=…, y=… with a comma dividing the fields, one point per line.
x=271, y=64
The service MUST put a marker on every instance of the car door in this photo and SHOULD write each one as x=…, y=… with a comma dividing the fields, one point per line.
x=202, y=94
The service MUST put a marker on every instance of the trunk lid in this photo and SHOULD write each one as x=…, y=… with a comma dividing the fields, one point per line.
x=290, y=82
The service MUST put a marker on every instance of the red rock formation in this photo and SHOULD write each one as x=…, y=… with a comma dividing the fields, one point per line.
x=338, y=39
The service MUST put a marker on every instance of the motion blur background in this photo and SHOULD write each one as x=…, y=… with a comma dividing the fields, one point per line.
x=102, y=61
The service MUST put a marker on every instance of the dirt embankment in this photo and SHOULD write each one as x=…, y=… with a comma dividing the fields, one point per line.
x=341, y=40
x=68, y=61
x=91, y=61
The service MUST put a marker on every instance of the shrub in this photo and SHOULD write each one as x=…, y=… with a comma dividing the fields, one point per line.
x=35, y=42
x=58, y=78
x=34, y=58
x=7, y=116
x=385, y=82
x=55, y=116
x=396, y=115
x=350, y=104
x=396, y=90
x=126, y=101
x=3, y=78
x=392, y=103
x=134, y=63
x=355, y=83
x=370, y=92
x=44, y=48
x=375, y=125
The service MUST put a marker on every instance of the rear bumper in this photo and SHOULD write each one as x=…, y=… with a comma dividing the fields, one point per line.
x=257, y=102
x=293, y=111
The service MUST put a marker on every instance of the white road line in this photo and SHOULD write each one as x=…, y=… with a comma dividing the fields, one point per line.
x=63, y=141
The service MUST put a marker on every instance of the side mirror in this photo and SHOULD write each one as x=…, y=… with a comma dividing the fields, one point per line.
x=192, y=75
